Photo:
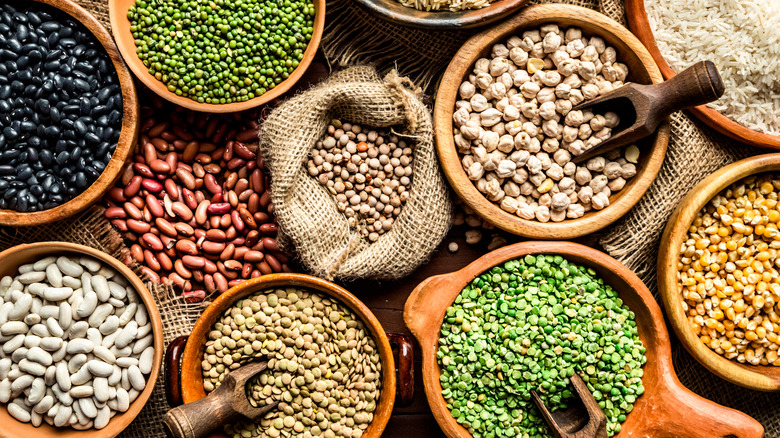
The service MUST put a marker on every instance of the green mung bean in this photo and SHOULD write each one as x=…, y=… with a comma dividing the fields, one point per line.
x=221, y=51
x=532, y=323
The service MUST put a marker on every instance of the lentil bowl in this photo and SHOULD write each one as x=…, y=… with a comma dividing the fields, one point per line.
x=676, y=234
x=665, y=405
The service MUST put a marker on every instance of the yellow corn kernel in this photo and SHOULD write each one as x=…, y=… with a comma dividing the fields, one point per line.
x=751, y=335
x=761, y=332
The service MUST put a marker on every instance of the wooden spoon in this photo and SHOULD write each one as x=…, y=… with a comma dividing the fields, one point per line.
x=226, y=404
x=589, y=422
x=643, y=107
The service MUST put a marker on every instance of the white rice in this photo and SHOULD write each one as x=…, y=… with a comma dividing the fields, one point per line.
x=742, y=38
x=446, y=5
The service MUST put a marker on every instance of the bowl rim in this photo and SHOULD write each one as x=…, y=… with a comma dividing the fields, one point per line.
x=118, y=19
x=192, y=380
x=640, y=26
x=121, y=420
x=749, y=376
x=450, y=157
x=396, y=13
x=128, y=134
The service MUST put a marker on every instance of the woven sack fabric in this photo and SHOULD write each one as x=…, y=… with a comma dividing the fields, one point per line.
x=309, y=220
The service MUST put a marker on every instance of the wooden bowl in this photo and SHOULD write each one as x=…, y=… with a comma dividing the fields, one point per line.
x=640, y=25
x=10, y=260
x=642, y=70
x=758, y=377
x=190, y=387
x=127, y=137
x=120, y=26
x=666, y=409
x=394, y=12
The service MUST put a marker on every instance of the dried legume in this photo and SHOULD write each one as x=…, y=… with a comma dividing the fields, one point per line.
x=728, y=272
x=324, y=367
x=531, y=323
x=60, y=107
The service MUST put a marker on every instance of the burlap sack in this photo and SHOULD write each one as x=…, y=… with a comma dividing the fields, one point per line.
x=309, y=221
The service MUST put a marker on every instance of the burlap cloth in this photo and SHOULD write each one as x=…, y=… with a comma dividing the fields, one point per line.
x=352, y=36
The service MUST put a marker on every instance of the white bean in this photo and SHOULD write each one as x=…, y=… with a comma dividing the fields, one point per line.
x=81, y=377
x=110, y=325
x=88, y=305
x=21, y=307
x=18, y=412
x=31, y=277
x=31, y=367
x=100, y=385
x=100, y=314
x=122, y=400
x=57, y=293
x=13, y=328
x=66, y=316
x=63, y=376
x=63, y=416
x=81, y=391
x=44, y=405
x=136, y=378
x=88, y=407
x=103, y=417
x=146, y=361
x=44, y=263
x=5, y=390
x=15, y=342
x=37, y=354
x=128, y=314
x=80, y=345
x=127, y=335
x=51, y=343
x=68, y=267
x=99, y=368
x=37, y=391
x=100, y=285
x=54, y=275
x=54, y=328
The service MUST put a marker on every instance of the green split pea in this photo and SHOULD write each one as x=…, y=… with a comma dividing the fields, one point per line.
x=532, y=323
x=221, y=51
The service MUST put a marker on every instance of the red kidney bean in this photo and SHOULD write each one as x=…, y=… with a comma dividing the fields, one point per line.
x=187, y=247
x=208, y=281
x=182, y=270
x=201, y=212
x=252, y=238
x=225, y=221
x=133, y=187
x=254, y=256
x=165, y=227
x=171, y=189
x=194, y=296
x=181, y=210
x=237, y=222
x=268, y=229
x=115, y=213
x=210, y=267
x=151, y=260
x=149, y=152
x=143, y=170
x=220, y=281
x=152, y=242
x=273, y=263
x=216, y=235
x=233, y=265
x=231, y=233
x=172, y=160
x=228, y=252
x=137, y=252
x=270, y=244
x=264, y=268
x=190, y=151
x=247, y=217
x=220, y=208
x=246, y=270
x=213, y=247
x=158, y=129
x=189, y=199
x=243, y=151
x=184, y=229
x=151, y=185
x=151, y=275
x=139, y=227
x=193, y=262
x=160, y=166
x=133, y=211
x=165, y=261
x=154, y=205
x=159, y=144
x=117, y=194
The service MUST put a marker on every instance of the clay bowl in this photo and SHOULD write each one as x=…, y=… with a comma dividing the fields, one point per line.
x=10, y=260
x=642, y=70
x=120, y=27
x=184, y=380
x=127, y=137
x=758, y=377
x=394, y=12
x=640, y=26
x=666, y=409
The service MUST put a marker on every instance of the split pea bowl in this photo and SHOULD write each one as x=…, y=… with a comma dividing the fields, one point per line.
x=184, y=375
x=665, y=409
x=757, y=377
x=642, y=69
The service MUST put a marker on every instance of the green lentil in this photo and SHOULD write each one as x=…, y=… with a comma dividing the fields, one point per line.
x=531, y=323
x=221, y=51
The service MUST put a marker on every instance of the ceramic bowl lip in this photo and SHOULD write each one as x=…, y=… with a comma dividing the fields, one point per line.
x=119, y=22
x=647, y=168
x=122, y=420
x=598, y=260
x=757, y=377
x=395, y=12
x=127, y=137
x=192, y=382
x=639, y=24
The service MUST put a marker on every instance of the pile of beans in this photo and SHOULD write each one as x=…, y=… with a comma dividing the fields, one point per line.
x=76, y=343
x=60, y=107
x=221, y=51
x=369, y=173
x=517, y=134
x=194, y=204
x=530, y=324
x=728, y=272
x=324, y=367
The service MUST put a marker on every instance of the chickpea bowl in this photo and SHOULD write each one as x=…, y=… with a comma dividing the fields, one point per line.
x=510, y=158
x=709, y=245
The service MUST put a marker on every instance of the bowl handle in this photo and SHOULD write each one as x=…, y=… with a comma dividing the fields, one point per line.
x=404, y=360
x=172, y=371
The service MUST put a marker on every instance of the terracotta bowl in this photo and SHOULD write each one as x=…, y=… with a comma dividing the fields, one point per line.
x=10, y=260
x=184, y=380
x=639, y=24
x=394, y=12
x=642, y=69
x=127, y=137
x=758, y=377
x=120, y=26
x=666, y=409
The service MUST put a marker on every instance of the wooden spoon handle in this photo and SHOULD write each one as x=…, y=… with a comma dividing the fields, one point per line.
x=404, y=359
x=197, y=419
x=698, y=84
x=173, y=372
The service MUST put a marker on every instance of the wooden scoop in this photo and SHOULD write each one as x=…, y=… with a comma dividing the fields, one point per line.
x=643, y=107
x=569, y=422
x=226, y=404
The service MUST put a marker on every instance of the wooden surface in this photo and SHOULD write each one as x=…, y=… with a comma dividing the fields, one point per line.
x=640, y=26
x=191, y=374
x=762, y=378
x=650, y=105
x=395, y=12
x=665, y=409
x=120, y=27
x=127, y=136
x=10, y=260
x=642, y=69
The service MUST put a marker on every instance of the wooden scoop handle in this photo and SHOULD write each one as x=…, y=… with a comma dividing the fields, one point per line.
x=197, y=419
x=698, y=84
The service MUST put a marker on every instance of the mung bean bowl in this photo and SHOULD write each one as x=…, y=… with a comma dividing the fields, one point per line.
x=664, y=408
x=187, y=354
x=475, y=186
x=69, y=121
x=213, y=52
